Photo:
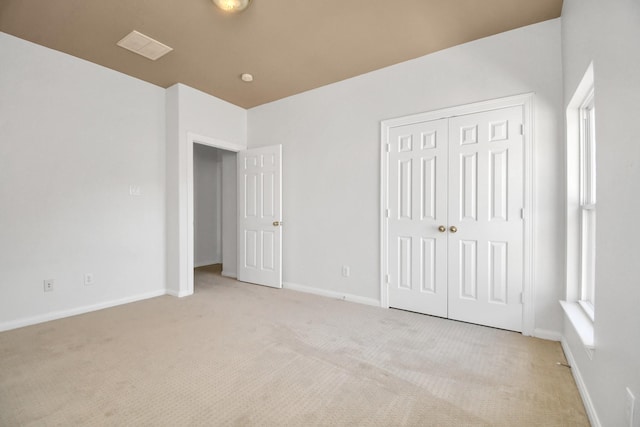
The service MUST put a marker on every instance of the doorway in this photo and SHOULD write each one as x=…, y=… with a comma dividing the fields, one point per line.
x=187, y=244
x=214, y=190
x=454, y=197
x=267, y=270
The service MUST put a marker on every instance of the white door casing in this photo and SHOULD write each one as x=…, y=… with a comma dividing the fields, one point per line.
x=260, y=216
x=487, y=197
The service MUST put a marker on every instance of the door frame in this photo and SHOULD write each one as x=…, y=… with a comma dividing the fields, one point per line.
x=193, y=138
x=526, y=102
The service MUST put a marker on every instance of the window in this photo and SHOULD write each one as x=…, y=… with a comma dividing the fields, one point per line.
x=579, y=304
x=587, y=188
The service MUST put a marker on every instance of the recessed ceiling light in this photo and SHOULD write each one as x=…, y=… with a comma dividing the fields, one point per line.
x=246, y=77
x=232, y=5
x=144, y=45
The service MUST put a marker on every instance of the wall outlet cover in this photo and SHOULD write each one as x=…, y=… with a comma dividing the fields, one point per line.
x=346, y=271
x=88, y=279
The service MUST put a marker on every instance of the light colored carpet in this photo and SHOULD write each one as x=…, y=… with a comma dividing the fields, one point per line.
x=241, y=354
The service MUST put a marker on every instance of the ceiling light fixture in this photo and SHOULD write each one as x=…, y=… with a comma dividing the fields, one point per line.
x=246, y=77
x=232, y=5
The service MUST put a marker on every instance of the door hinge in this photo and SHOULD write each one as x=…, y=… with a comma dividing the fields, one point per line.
x=521, y=129
x=388, y=148
x=387, y=213
x=387, y=279
x=522, y=213
x=521, y=298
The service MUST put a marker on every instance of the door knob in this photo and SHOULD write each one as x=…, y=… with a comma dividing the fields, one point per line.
x=277, y=223
x=453, y=229
x=442, y=229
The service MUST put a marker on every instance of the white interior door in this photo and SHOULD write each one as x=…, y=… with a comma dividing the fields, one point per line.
x=454, y=225
x=260, y=216
x=417, y=208
x=485, y=206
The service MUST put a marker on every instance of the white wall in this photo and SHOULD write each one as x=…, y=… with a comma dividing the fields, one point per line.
x=73, y=137
x=608, y=33
x=331, y=156
x=192, y=116
x=229, y=213
x=207, y=181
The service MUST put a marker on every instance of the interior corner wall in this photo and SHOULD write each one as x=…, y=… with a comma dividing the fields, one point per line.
x=331, y=156
x=74, y=136
x=191, y=112
x=607, y=33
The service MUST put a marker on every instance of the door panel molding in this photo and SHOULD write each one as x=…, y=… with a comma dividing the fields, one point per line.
x=497, y=132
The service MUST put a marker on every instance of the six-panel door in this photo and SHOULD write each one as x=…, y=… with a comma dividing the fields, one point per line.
x=259, y=216
x=417, y=207
x=485, y=202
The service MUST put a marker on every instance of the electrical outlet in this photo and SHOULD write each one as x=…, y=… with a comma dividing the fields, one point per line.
x=48, y=285
x=630, y=409
x=88, y=279
x=346, y=271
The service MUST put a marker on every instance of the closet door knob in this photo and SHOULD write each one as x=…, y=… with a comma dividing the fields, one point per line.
x=453, y=229
x=442, y=229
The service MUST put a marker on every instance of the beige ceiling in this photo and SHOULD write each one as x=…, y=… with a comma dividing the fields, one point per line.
x=290, y=46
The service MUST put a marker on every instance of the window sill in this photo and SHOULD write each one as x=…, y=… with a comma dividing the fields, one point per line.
x=581, y=323
x=587, y=307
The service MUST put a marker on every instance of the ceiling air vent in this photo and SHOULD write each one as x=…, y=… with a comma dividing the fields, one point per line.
x=144, y=45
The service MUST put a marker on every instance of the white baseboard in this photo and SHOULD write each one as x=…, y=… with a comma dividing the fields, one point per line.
x=178, y=293
x=331, y=294
x=27, y=321
x=197, y=264
x=231, y=274
x=582, y=388
x=547, y=335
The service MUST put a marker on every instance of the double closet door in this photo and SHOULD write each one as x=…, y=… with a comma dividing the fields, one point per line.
x=454, y=217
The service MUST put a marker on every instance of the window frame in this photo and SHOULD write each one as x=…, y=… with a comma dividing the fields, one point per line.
x=580, y=211
x=587, y=204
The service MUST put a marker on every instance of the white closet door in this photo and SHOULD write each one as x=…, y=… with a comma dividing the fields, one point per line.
x=455, y=232
x=417, y=207
x=260, y=216
x=485, y=224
